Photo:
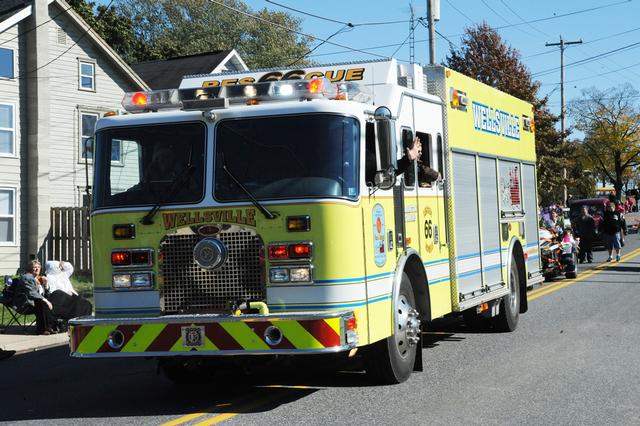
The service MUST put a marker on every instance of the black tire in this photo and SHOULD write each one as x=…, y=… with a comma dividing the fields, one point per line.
x=507, y=320
x=573, y=274
x=391, y=360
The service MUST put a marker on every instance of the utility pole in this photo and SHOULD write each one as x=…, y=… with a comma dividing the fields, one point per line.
x=562, y=45
x=433, y=15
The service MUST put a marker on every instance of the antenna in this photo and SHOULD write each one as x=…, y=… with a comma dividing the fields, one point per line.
x=412, y=38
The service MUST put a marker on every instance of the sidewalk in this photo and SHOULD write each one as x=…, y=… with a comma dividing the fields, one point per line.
x=13, y=341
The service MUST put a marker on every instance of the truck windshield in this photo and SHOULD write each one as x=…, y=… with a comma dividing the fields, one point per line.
x=288, y=157
x=150, y=161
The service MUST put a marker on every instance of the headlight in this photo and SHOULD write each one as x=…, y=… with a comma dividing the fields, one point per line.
x=121, y=280
x=279, y=275
x=300, y=275
x=142, y=279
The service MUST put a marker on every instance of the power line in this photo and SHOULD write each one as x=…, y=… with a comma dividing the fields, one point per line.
x=362, y=24
x=37, y=26
x=599, y=75
x=459, y=11
x=405, y=40
x=258, y=18
x=346, y=27
x=563, y=15
x=84, y=33
x=589, y=59
x=520, y=17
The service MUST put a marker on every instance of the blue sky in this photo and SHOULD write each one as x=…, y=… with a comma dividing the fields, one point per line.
x=611, y=25
x=614, y=25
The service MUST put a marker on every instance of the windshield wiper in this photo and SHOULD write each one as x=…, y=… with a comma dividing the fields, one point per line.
x=268, y=214
x=177, y=182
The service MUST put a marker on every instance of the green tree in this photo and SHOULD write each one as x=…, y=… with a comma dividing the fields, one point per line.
x=170, y=28
x=610, y=120
x=143, y=30
x=115, y=28
x=484, y=56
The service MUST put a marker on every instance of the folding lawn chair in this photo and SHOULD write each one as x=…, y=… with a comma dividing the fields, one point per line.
x=14, y=317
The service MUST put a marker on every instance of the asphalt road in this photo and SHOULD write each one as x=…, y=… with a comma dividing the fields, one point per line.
x=574, y=359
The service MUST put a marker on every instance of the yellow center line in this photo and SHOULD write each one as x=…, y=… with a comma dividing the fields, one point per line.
x=256, y=404
x=550, y=289
x=193, y=416
x=557, y=283
x=243, y=409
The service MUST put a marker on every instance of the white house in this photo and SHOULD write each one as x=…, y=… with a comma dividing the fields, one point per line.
x=57, y=76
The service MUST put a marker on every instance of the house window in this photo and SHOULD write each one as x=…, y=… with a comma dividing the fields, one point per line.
x=87, y=75
x=7, y=129
x=6, y=63
x=7, y=215
x=87, y=128
x=116, y=151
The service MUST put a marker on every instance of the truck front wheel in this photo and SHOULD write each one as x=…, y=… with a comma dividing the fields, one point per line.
x=391, y=360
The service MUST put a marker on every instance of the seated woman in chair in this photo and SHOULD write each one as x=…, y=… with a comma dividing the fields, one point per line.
x=29, y=298
x=67, y=303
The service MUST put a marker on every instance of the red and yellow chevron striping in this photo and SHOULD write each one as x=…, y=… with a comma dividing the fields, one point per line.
x=235, y=336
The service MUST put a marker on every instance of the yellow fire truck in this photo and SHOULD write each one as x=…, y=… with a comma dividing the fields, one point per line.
x=275, y=213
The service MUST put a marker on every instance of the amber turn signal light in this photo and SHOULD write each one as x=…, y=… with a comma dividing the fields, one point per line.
x=124, y=232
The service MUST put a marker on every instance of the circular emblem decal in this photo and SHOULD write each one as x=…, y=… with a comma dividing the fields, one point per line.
x=210, y=253
x=379, y=231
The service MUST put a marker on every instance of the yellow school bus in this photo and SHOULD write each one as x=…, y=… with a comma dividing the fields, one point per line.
x=275, y=212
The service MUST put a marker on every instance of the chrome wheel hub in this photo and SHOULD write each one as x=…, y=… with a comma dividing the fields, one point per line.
x=407, y=333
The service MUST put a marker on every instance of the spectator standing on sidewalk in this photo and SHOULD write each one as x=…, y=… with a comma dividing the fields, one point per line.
x=586, y=231
x=613, y=228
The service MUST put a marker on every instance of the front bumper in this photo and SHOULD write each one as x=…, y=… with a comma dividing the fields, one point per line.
x=197, y=335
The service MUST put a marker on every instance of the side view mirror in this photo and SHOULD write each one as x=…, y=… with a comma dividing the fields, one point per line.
x=385, y=177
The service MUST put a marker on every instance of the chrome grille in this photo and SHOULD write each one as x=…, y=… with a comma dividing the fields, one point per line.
x=188, y=288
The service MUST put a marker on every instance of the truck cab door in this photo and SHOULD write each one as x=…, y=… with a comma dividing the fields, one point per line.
x=407, y=208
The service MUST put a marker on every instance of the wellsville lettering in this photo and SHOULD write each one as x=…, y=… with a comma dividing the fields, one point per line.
x=240, y=216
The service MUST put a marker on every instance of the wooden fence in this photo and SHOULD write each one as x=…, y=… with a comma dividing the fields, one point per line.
x=69, y=238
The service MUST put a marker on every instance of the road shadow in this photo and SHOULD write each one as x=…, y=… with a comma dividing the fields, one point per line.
x=133, y=387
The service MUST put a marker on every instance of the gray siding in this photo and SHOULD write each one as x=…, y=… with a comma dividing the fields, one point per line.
x=67, y=170
x=67, y=102
x=12, y=166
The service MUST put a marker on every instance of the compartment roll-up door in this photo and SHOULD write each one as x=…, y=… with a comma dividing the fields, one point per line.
x=467, y=227
x=489, y=208
x=531, y=217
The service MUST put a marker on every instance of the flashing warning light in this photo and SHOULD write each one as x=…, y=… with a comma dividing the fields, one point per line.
x=352, y=324
x=316, y=85
x=152, y=100
x=300, y=251
x=278, y=251
x=120, y=258
x=459, y=99
x=139, y=98
x=455, y=101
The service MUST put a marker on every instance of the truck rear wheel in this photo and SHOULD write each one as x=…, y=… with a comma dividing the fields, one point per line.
x=391, y=360
x=507, y=320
